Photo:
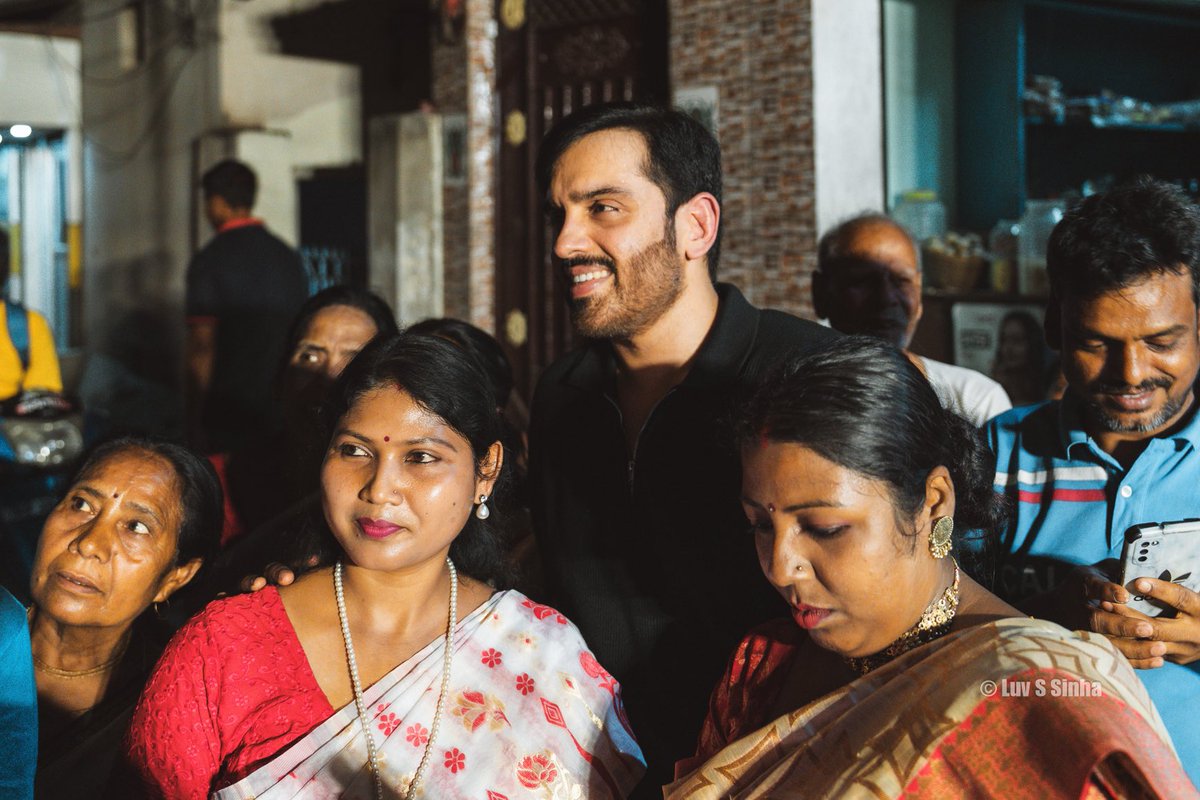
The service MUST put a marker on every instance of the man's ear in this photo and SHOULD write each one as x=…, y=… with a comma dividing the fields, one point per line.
x=820, y=294
x=1052, y=326
x=696, y=224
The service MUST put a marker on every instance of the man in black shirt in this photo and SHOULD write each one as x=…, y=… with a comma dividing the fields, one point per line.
x=243, y=288
x=636, y=500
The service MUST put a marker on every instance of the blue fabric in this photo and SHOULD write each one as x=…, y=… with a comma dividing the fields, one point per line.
x=18, y=703
x=1072, y=504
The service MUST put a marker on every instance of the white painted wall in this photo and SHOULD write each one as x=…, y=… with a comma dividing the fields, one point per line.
x=847, y=108
x=148, y=137
x=140, y=125
x=39, y=80
x=317, y=102
x=919, y=91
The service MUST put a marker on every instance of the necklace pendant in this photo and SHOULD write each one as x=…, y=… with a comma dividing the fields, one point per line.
x=934, y=623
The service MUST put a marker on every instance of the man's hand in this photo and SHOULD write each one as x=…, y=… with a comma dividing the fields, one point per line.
x=1088, y=599
x=276, y=574
x=1154, y=639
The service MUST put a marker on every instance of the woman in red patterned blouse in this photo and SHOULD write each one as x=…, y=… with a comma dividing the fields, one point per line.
x=255, y=697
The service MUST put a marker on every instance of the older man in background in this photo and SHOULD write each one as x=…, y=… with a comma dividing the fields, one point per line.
x=868, y=281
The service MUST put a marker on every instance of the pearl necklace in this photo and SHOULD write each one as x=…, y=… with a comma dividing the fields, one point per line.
x=933, y=624
x=352, y=662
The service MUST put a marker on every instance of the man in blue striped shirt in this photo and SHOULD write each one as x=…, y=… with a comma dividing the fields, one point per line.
x=1123, y=445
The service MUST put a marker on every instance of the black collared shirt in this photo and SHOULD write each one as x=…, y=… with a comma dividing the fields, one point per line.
x=650, y=556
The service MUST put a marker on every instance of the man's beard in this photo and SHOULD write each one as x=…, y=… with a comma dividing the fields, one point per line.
x=1114, y=424
x=641, y=292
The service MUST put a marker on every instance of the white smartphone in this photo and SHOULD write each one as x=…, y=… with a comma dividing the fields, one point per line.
x=1169, y=551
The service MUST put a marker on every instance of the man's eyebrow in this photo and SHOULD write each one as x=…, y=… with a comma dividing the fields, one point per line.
x=592, y=194
x=1086, y=332
x=1174, y=330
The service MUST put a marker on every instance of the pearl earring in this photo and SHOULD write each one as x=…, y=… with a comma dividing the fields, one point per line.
x=481, y=510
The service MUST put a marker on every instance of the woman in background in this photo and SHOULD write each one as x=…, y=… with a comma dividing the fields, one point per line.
x=898, y=675
x=265, y=478
x=1020, y=362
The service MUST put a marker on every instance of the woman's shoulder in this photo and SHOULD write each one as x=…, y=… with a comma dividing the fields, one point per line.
x=1018, y=644
x=521, y=609
x=526, y=620
x=238, y=616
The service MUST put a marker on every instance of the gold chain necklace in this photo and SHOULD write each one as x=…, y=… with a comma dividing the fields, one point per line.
x=42, y=666
x=933, y=624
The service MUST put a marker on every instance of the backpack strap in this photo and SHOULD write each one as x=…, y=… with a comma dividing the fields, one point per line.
x=18, y=330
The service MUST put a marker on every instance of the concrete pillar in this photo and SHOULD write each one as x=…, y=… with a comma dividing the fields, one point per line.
x=404, y=192
x=847, y=108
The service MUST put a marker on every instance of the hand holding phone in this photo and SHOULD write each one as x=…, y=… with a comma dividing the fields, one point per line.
x=1168, y=551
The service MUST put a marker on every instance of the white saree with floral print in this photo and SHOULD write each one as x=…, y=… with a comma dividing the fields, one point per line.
x=529, y=713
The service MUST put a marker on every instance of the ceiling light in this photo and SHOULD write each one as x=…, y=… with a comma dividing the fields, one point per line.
x=20, y=131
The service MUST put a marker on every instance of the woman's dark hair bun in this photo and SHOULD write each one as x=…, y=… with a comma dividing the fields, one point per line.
x=864, y=405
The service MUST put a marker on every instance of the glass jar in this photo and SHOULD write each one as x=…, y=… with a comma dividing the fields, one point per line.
x=1039, y=220
x=921, y=214
x=1002, y=246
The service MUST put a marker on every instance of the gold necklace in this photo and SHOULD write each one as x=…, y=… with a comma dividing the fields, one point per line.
x=933, y=624
x=42, y=666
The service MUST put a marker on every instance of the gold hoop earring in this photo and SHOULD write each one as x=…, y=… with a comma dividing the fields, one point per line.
x=941, y=537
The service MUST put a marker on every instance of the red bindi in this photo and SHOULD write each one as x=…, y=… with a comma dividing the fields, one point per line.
x=387, y=438
x=115, y=495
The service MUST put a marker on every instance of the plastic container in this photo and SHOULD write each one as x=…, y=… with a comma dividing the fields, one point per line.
x=1002, y=245
x=921, y=213
x=1039, y=220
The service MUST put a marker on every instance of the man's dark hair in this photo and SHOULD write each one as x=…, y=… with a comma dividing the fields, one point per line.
x=684, y=158
x=233, y=181
x=1120, y=237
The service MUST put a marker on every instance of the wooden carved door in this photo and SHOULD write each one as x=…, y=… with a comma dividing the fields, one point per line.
x=555, y=56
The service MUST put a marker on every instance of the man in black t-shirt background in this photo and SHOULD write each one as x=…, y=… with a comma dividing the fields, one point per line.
x=243, y=288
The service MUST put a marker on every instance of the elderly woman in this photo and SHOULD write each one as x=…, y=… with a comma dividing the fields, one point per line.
x=135, y=526
x=897, y=674
x=401, y=670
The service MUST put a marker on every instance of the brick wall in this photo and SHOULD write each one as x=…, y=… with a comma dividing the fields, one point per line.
x=758, y=54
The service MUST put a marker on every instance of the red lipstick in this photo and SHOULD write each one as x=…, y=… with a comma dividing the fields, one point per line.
x=809, y=617
x=376, y=528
